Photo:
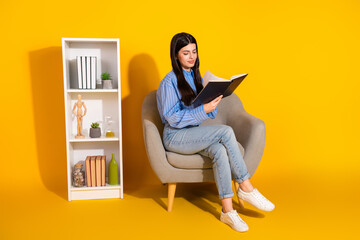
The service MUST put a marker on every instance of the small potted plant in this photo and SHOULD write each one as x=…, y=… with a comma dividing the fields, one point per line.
x=95, y=131
x=106, y=80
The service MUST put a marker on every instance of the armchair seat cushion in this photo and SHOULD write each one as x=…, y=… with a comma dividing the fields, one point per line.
x=192, y=161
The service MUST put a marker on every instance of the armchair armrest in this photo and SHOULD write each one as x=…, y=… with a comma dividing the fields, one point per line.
x=155, y=150
x=250, y=133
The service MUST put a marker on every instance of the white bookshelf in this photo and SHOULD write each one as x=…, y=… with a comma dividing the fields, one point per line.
x=99, y=103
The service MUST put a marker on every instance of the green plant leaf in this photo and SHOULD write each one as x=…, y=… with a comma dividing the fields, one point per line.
x=106, y=76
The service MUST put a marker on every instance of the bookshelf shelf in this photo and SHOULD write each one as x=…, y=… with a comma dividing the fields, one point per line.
x=92, y=91
x=99, y=103
x=111, y=187
x=101, y=139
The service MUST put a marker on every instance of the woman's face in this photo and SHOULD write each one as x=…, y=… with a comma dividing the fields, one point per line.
x=187, y=56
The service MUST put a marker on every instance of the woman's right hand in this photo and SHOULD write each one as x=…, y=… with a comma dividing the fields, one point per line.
x=211, y=106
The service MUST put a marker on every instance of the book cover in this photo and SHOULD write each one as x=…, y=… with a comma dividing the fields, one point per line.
x=235, y=82
x=103, y=172
x=93, y=172
x=93, y=72
x=98, y=171
x=79, y=74
x=88, y=174
x=98, y=71
x=217, y=86
x=83, y=72
x=88, y=73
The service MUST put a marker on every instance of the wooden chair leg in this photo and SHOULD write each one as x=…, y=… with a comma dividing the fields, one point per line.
x=241, y=202
x=171, y=195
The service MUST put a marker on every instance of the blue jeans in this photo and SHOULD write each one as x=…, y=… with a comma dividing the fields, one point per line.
x=218, y=142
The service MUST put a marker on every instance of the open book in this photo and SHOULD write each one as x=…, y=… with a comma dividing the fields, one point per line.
x=217, y=86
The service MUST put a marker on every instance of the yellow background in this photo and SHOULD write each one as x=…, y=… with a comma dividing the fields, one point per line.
x=303, y=63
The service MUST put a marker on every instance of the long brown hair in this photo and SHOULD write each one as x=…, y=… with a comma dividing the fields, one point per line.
x=179, y=41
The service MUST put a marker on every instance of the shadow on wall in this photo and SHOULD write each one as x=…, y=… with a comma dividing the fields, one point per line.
x=143, y=78
x=48, y=99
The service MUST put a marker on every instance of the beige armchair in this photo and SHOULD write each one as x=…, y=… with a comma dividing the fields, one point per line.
x=172, y=168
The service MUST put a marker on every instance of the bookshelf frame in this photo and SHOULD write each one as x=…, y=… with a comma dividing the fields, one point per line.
x=99, y=103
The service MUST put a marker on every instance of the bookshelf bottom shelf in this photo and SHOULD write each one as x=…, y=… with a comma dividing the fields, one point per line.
x=83, y=193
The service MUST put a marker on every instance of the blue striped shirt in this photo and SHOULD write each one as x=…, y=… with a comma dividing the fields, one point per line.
x=172, y=110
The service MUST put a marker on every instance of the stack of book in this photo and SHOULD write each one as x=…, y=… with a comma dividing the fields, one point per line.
x=95, y=171
x=87, y=71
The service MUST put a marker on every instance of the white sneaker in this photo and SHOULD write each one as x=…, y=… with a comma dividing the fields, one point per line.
x=233, y=219
x=256, y=199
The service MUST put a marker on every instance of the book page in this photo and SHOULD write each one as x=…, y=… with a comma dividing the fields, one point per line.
x=209, y=76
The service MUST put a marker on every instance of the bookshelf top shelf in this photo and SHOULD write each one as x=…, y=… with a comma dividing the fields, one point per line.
x=98, y=40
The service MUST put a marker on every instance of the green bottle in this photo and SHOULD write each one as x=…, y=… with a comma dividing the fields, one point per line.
x=113, y=171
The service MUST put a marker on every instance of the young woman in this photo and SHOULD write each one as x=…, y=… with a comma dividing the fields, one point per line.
x=183, y=133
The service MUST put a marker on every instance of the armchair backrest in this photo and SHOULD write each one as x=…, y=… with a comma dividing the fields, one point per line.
x=226, y=109
x=150, y=112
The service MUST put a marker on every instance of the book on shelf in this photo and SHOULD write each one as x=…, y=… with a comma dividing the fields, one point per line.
x=88, y=171
x=93, y=72
x=98, y=171
x=217, y=86
x=79, y=71
x=88, y=80
x=93, y=171
x=87, y=71
x=83, y=70
x=103, y=167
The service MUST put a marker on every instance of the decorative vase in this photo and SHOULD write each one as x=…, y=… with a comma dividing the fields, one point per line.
x=107, y=84
x=95, y=132
x=113, y=171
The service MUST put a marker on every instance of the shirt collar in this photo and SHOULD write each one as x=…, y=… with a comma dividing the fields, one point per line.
x=187, y=73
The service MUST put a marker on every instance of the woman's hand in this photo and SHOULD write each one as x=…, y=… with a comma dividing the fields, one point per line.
x=209, y=107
